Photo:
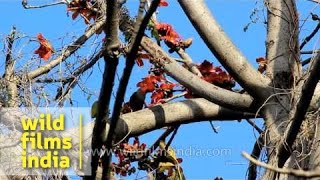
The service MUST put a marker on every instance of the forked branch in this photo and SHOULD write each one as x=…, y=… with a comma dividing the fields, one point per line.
x=223, y=48
x=197, y=85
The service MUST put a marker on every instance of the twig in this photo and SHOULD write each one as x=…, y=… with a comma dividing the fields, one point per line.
x=294, y=172
x=254, y=126
x=162, y=137
x=74, y=77
x=306, y=61
x=172, y=136
x=313, y=33
x=140, y=26
x=188, y=61
x=174, y=97
x=95, y=58
x=179, y=60
x=215, y=130
x=315, y=1
x=303, y=103
x=27, y=6
x=310, y=52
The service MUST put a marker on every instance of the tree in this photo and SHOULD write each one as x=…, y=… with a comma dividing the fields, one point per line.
x=282, y=93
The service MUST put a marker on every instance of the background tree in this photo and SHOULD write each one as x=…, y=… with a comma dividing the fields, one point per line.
x=283, y=91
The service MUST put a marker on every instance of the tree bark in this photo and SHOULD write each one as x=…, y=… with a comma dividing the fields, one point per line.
x=282, y=52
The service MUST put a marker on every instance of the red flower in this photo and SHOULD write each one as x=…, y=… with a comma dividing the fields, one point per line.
x=45, y=50
x=140, y=57
x=83, y=8
x=262, y=64
x=167, y=86
x=163, y=3
x=168, y=34
x=215, y=75
x=148, y=84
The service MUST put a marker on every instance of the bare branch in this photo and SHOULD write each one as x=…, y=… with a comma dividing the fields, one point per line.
x=52, y=80
x=26, y=5
x=300, y=111
x=83, y=68
x=69, y=50
x=75, y=76
x=306, y=61
x=294, y=172
x=315, y=1
x=310, y=52
x=254, y=126
x=222, y=47
x=161, y=138
x=197, y=85
x=313, y=33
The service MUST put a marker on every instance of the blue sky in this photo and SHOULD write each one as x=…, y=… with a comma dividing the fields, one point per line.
x=233, y=137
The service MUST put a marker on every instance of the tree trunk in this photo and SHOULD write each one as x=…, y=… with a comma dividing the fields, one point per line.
x=284, y=69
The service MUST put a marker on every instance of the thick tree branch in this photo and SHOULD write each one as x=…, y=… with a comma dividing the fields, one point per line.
x=111, y=62
x=222, y=47
x=284, y=69
x=184, y=112
x=197, y=85
x=300, y=111
x=282, y=43
x=140, y=26
x=69, y=50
